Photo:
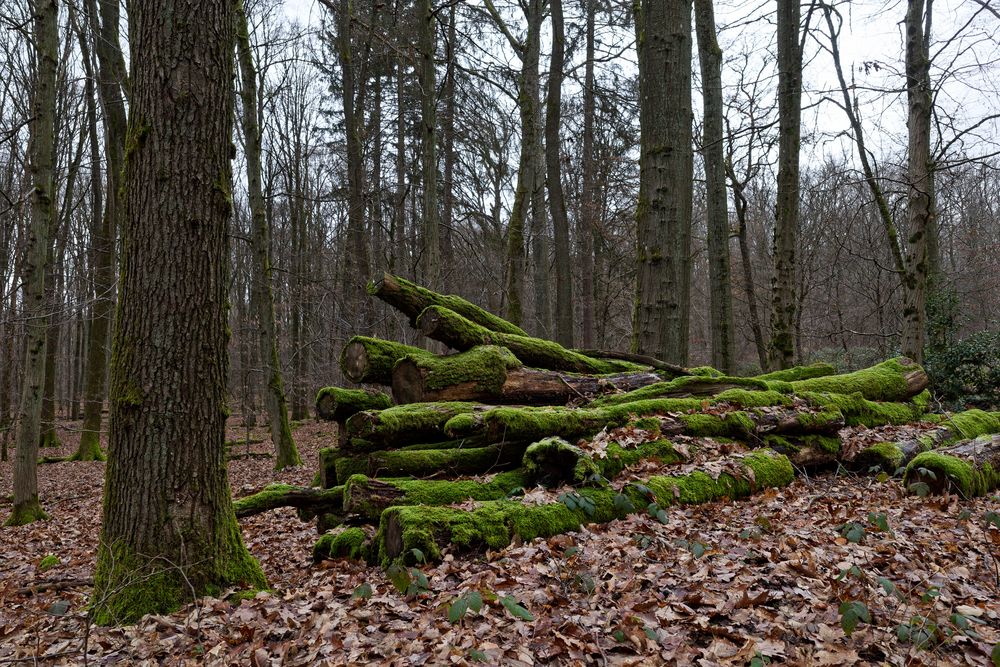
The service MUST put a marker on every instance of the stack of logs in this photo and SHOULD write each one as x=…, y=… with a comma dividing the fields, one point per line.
x=441, y=457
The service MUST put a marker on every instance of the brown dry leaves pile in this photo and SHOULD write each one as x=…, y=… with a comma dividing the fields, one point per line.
x=765, y=582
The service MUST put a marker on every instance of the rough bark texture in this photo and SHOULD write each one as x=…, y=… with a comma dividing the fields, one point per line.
x=40, y=153
x=431, y=257
x=664, y=210
x=169, y=531
x=589, y=206
x=286, y=454
x=919, y=169
x=553, y=180
x=786, y=230
x=717, y=210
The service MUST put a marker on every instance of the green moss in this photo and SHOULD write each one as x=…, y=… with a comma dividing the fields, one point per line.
x=486, y=366
x=857, y=410
x=553, y=461
x=731, y=424
x=706, y=372
x=328, y=466
x=882, y=382
x=271, y=495
x=350, y=543
x=381, y=355
x=128, y=586
x=336, y=403
x=430, y=492
x=429, y=462
x=617, y=458
x=886, y=455
x=799, y=373
x=27, y=512
x=415, y=421
x=48, y=562
x=651, y=424
x=755, y=391
x=950, y=473
x=973, y=423
x=752, y=399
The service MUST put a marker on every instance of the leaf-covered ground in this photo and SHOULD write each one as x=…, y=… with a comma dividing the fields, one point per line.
x=770, y=580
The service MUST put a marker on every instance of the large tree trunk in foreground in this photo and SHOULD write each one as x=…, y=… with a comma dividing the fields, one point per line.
x=970, y=468
x=169, y=531
x=493, y=375
x=455, y=331
x=41, y=136
x=286, y=454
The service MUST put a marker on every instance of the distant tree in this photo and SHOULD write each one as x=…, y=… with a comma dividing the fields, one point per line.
x=168, y=530
x=42, y=129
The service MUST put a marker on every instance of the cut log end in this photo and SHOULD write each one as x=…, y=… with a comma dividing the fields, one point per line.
x=355, y=362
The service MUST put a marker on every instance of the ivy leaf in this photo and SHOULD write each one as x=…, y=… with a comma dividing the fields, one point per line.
x=516, y=610
x=457, y=610
x=418, y=555
x=853, y=612
x=854, y=532
x=362, y=592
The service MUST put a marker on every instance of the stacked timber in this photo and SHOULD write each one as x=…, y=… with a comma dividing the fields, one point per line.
x=436, y=451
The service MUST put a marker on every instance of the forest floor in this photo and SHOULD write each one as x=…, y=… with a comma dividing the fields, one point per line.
x=754, y=582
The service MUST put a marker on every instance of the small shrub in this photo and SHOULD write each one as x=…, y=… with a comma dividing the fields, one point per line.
x=966, y=374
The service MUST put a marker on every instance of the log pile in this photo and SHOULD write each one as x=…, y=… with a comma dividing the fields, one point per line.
x=437, y=451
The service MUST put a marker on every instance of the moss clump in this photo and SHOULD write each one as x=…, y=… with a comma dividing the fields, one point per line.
x=26, y=512
x=281, y=495
x=729, y=425
x=416, y=421
x=943, y=472
x=883, y=382
x=885, y=455
x=553, y=461
x=484, y=366
x=128, y=586
x=337, y=404
x=795, y=373
x=357, y=500
x=973, y=423
x=350, y=543
x=752, y=399
x=858, y=411
x=328, y=466
x=617, y=458
x=706, y=372
x=696, y=385
x=49, y=562
x=429, y=462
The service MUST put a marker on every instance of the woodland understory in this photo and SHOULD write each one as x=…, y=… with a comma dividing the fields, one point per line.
x=723, y=582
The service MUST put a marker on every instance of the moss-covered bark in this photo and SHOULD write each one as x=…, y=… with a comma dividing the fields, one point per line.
x=314, y=501
x=794, y=373
x=460, y=333
x=553, y=461
x=337, y=404
x=368, y=497
x=351, y=543
x=494, y=524
x=412, y=299
x=969, y=468
x=896, y=379
x=401, y=425
x=371, y=360
x=807, y=451
x=432, y=462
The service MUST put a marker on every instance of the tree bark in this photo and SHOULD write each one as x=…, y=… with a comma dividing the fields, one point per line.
x=40, y=153
x=589, y=207
x=168, y=530
x=286, y=454
x=371, y=360
x=431, y=263
x=553, y=180
x=666, y=173
x=781, y=350
x=717, y=210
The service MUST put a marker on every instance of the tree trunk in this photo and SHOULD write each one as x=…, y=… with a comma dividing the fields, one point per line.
x=666, y=175
x=428, y=138
x=553, y=180
x=448, y=137
x=717, y=213
x=168, y=530
x=286, y=454
x=40, y=153
x=589, y=207
x=786, y=230
x=919, y=199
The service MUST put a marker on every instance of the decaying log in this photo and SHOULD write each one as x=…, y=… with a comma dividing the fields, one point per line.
x=411, y=300
x=794, y=373
x=401, y=425
x=460, y=333
x=370, y=360
x=671, y=370
x=493, y=524
x=367, y=497
x=493, y=374
x=456, y=462
x=969, y=468
x=336, y=404
x=312, y=501
x=891, y=456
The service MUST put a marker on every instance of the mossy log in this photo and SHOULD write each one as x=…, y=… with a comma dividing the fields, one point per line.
x=890, y=456
x=494, y=375
x=794, y=373
x=337, y=404
x=412, y=299
x=352, y=543
x=455, y=462
x=368, y=497
x=371, y=360
x=493, y=524
x=460, y=333
x=691, y=386
x=807, y=451
x=374, y=430
x=553, y=461
x=671, y=370
x=311, y=501
x=969, y=468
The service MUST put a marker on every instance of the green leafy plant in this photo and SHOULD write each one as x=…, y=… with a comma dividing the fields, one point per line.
x=853, y=532
x=470, y=600
x=362, y=592
x=515, y=609
x=853, y=612
x=575, y=501
x=658, y=513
